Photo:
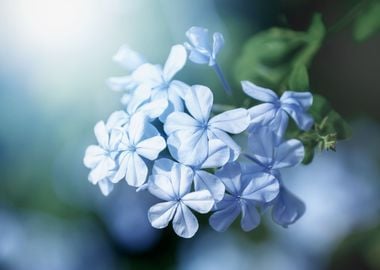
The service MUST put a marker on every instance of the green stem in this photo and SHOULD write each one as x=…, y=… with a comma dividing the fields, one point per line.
x=347, y=18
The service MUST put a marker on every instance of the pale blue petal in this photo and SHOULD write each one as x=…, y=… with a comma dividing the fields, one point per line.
x=230, y=175
x=303, y=120
x=224, y=137
x=279, y=123
x=232, y=121
x=302, y=99
x=199, y=102
x=198, y=57
x=175, y=62
x=150, y=148
x=189, y=148
x=259, y=93
x=154, y=108
x=262, y=114
x=101, y=170
x=94, y=154
x=139, y=96
x=181, y=178
x=160, y=214
x=136, y=128
x=222, y=219
x=261, y=145
x=218, y=154
x=121, y=83
x=163, y=166
x=260, y=187
x=287, y=208
x=185, y=224
x=101, y=134
x=123, y=165
x=179, y=88
x=218, y=43
x=178, y=121
x=250, y=218
x=117, y=120
x=199, y=38
x=161, y=186
x=106, y=186
x=148, y=73
x=206, y=181
x=200, y=201
x=128, y=58
x=137, y=170
x=289, y=153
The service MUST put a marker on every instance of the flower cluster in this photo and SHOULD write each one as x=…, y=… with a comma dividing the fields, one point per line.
x=168, y=141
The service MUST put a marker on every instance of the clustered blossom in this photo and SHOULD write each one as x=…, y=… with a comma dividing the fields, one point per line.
x=167, y=141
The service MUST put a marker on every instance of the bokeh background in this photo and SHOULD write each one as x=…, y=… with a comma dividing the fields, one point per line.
x=55, y=56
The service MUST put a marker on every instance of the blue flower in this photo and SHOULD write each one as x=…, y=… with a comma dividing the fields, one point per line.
x=202, y=51
x=287, y=208
x=172, y=183
x=275, y=111
x=139, y=140
x=139, y=103
x=101, y=158
x=189, y=134
x=245, y=193
x=267, y=152
x=160, y=80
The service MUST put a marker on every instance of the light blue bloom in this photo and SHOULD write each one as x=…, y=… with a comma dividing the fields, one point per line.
x=287, y=208
x=172, y=183
x=245, y=193
x=101, y=158
x=189, y=134
x=204, y=51
x=267, y=152
x=160, y=80
x=140, y=140
x=139, y=103
x=130, y=60
x=275, y=111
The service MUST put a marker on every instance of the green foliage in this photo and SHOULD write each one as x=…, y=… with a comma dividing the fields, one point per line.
x=368, y=22
x=277, y=58
x=329, y=128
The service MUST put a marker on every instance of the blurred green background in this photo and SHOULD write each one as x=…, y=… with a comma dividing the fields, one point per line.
x=55, y=56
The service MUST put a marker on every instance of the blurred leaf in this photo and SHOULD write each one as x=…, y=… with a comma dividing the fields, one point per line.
x=278, y=58
x=368, y=22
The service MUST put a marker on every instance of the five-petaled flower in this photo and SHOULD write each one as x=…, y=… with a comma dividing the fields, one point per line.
x=275, y=111
x=139, y=140
x=172, y=183
x=245, y=193
x=189, y=134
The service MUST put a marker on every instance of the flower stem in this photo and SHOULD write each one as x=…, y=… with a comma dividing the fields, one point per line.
x=222, y=78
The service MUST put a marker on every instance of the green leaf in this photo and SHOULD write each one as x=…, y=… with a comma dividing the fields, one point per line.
x=368, y=23
x=278, y=58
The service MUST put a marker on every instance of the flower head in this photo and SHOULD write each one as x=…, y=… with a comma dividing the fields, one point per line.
x=101, y=158
x=172, y=183
x=190, y=133
x=275, y=111
x=244, y=193
x=160, y=80
x=202, y=49
x=139, y=141
x=268, y=152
